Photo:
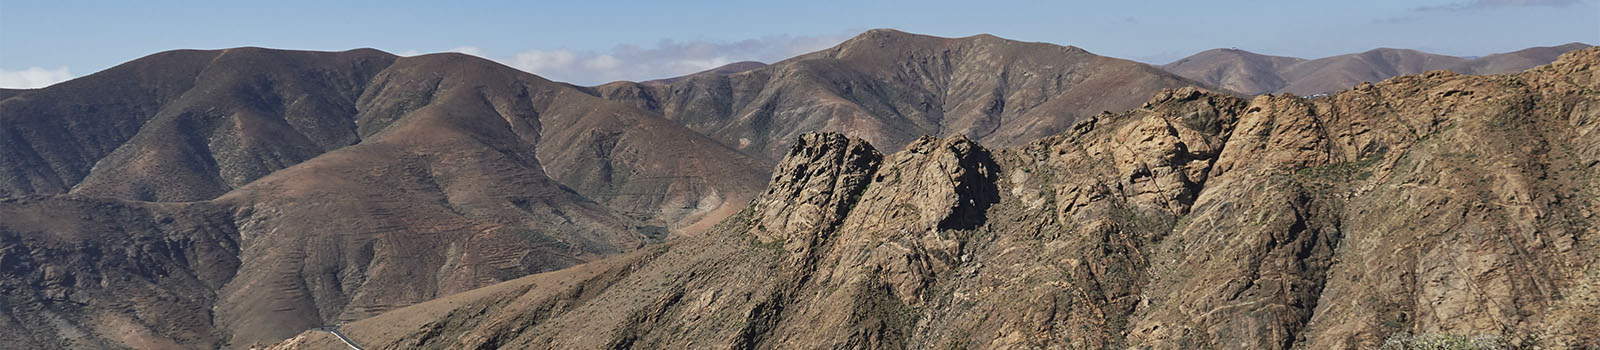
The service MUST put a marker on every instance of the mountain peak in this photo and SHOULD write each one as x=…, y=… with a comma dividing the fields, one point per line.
x=884, y=36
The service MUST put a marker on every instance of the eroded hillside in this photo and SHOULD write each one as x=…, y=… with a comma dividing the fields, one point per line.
x=198, y=199
x=1430, y=204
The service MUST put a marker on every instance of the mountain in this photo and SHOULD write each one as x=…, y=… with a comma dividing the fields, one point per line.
x=890, y=87
x=731, y=68
x=1252, y=73
x=1343, y=71
x=6, y=93
x=1516, y=61
x=191, y=125
x=203, y=124
x=200, y=199
x=1422, y=207
x=1234, y=69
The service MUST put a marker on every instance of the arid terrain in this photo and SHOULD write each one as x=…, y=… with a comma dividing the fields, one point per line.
x=1253, y=74
x=894, y=191
x=268, y=191
x=1431, y=204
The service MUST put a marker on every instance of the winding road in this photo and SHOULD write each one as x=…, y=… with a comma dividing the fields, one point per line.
x=336, y=333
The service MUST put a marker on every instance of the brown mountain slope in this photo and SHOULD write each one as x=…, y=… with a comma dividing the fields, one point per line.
x=98, y=273
x=1238, y=70
x=1253, y=74
x=447, y=196
x=191, y=125
x=890, y=87
x=183, y=125
x=1432, y=204
x=1517, y=61
x=462, y=173
x=726, y=69
x=7, y=93
x=1340, y=72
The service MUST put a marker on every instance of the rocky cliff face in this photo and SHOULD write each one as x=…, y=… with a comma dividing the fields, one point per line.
x=1431, y=204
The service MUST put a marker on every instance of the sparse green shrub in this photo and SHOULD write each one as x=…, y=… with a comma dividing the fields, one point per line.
x=775, y=244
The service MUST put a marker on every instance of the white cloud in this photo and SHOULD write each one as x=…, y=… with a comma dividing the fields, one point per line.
x=602, y=62
x=33, y=77
x=537, y=60
x=1472, y=5
x=1481, y=4
x=667, y=58
x=470, y=50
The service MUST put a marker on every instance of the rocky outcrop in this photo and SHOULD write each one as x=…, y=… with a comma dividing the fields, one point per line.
x=821, y=180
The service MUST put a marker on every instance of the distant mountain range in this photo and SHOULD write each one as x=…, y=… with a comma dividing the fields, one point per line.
x=233, y=198
x=1251, y=73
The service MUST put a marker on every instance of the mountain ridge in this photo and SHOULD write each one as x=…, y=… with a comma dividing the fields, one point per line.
x=890, y=86
x=1251, y=73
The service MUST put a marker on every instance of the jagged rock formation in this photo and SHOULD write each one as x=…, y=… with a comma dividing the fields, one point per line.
x=1252, y=74
x=1438, y=203
x=890, y=87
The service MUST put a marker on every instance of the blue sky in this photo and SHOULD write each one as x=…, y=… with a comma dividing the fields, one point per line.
x=589, y=42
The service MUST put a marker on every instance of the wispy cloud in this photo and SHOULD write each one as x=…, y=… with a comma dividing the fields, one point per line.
x=1482, y=4
x=470, y=50
x=33, y=77
x=1418, y=13
x=666, y=58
